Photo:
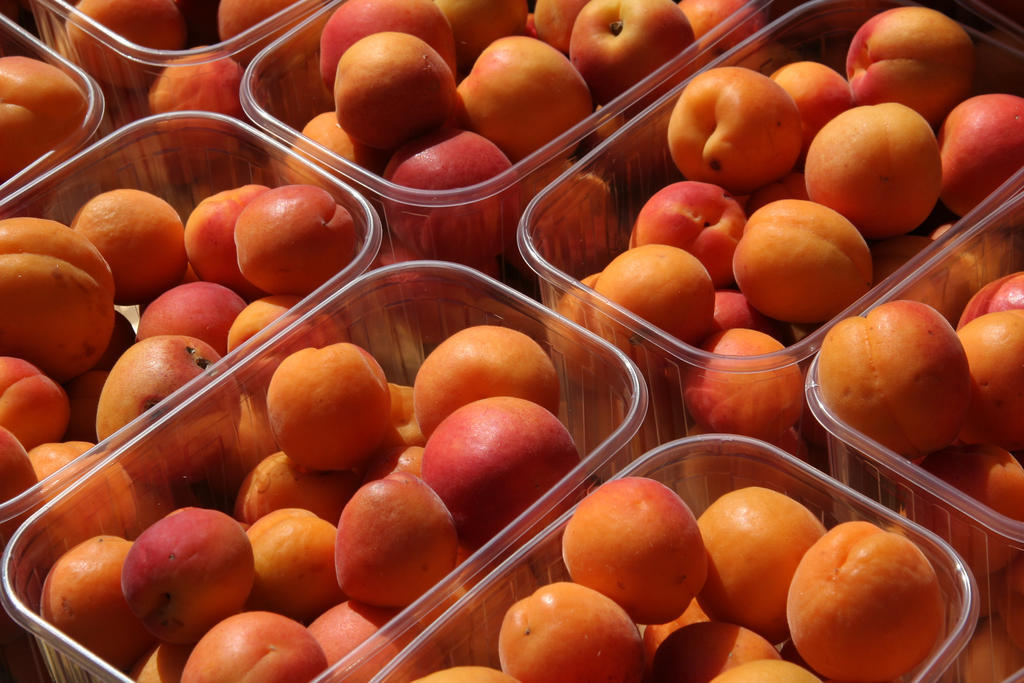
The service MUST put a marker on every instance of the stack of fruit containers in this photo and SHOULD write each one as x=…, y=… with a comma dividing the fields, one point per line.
x=989, y=541
x=700, y=469
x=181, y=157
x=283, y=90
x=17, y=41
x=203, y=74
x=398, y=313
x=576, y=225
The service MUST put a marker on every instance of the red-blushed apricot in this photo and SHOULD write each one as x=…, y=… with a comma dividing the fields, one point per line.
x=480, y=361
x=842, y=604
x=734, y=127
x=664, y=285
x=141, y=237
x=1003, y=293
x=699, y=651
x=343, y=627
x=277, y=481
x=755, y=537
x=899, y=375
x=329, y=408
x=204, y=310
x=635, y=540
x=994, y=343
x=574, y=630
x=82, y=597
x=259, y=645
x=801, y=262
x=395, y=540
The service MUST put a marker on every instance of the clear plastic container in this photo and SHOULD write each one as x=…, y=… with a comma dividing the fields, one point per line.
x=398, y=313
x=283, y=90
x=986, y=539
x=125, y=70
x=1001, y=19
x=16, y=40
x=577, y=224
x=699, y=469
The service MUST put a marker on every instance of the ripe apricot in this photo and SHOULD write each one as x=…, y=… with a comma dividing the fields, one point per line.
x=467, y=674
x=343, y=627
x=568, y=628
x=478, y=362
x=698, y=652
x=864, y=604
x=16, y=471
x=755, y=537
x=256, y=315
x=49, y=457
x=654, y=634
x=636, y=541
x=766, y=671
x=994, y=344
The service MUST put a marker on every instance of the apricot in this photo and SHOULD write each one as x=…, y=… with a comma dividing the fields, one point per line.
x=209, y=85
x=405, y=429
x=395, y=459
x=329, y=408
x=665, y=286
x=801, y=262
x=293, y=551
x=700, y=651
x=203, y=310
x=477, y=24
x=235, y=17
x=83, y=397
x=734, y=127
x=553, y=20
x=32, y=406
x=278, y=482
x=47, y=458
x=257, y=315
x=324, y=130
x=890, y=254
x=480, y=361
x=16, y=471
x=577, y=631
x=467, y=674
x=994, y=343
x=1000, y=294
x=820, y=93
x=59, y=324
x=723, y=397
x=343, y=627
x=899, y=375
x=395, y=540
x=766, y=671
x=162, y=664
x=654, y=634
x=755, y=538
x=878, y=165
x=855, y=593
x=82, y=597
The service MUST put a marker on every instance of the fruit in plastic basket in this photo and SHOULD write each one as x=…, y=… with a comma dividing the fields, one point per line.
x=293, y=551
x=573, y=630
x=1001, y=294
x=755, y=538
x=16, y=472
x=278, y=482
x=148, y=372
x=733, y=309
x=260, y=645
x=329, y=407
x=210, y=238
x=615, y=44
x=762, y=403
x=467, y=674
x=522, y=93
x=994, y=343
x=899, y=375
x=47, y=458
x=492, y=458
x=701, y=650
x=706, y=15
x=858, y=591
x=355, y=19
x=391, y=87
x=60, y=325
x=636, y=540
x=820, y=93
x=293, y=238
x=445, y=159
x=236, y=16
x=43, y=107
x=478, y=23
x=879, y=166
x=187, y=571
x=717, y=129
x=916, y=56
x=767, y=671
x=665, y=285
x=981, y=143
x=480, y=361
x=325, y=130
x=395, y=540
x=801, y=262
x=257, y=315
x=140, y=236
x=82, y=597
x=888, y=255
x=701, y=218
x=204, y=310
x=211, y=85
x=162, y=664
x=345, y=626
x=33, y=407
x=553, y=20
